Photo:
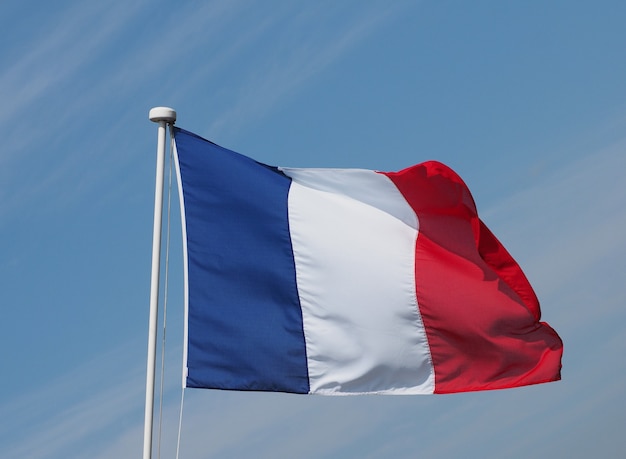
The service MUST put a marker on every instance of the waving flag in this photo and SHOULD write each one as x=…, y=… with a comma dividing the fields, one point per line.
x=348, y=281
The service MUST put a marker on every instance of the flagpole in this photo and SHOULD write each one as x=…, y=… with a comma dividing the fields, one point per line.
x=163, y=116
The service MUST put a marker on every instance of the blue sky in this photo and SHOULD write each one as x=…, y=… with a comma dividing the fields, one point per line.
x=525, y=100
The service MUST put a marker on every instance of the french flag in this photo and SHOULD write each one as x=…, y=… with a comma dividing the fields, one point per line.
x=348, y=281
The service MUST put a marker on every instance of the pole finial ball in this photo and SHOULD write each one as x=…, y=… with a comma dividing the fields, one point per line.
x=163, y=114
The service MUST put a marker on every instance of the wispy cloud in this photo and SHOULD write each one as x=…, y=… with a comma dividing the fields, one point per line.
x=72, y=81
x=304, y=52
x=55, y=57
x=61, y=416
x=41, y=88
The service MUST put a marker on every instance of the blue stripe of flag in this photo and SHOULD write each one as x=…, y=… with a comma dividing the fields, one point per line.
x=245, y=322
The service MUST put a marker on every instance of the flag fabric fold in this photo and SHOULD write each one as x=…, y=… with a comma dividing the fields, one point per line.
x=349, y=281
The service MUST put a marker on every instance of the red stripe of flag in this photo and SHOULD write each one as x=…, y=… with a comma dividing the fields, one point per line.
x=480, y=313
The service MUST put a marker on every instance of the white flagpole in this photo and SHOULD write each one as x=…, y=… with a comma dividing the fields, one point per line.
x=163, y=116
